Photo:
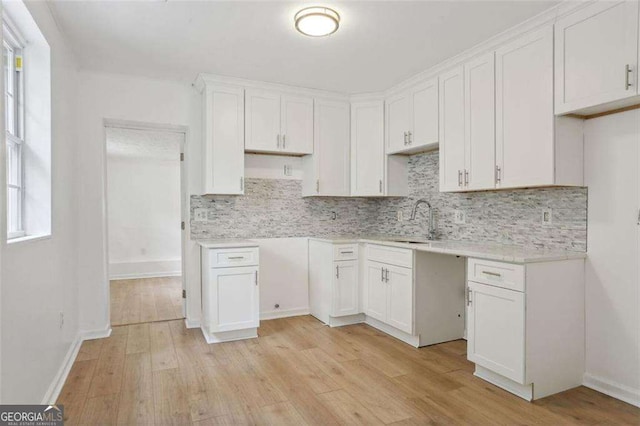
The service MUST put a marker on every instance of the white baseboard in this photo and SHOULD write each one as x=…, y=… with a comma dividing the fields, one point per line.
x=613, y=389
x=61, y=376
x=191, y=323
x=284, y=314
x=148, y=269
x=393, y=332
x=95, y=334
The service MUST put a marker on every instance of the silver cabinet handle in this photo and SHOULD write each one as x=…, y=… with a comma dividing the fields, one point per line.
x=466, y=177
x=241, y=184
x=410, y=139
x=381, y=186
x=468, y=296
x=337, y=271
x=498, y=173
x=347, y=252
x=627, y=80
x=318, y=186
x=405, y=138
x=460, y=178
x=638, y=217
x=235, y=257
x=382, y=274
x=256, y=278
x=387, y=275
x=278, y=139
x=284, y=141
x=493, y=274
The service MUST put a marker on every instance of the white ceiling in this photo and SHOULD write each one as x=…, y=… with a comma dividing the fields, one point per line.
x=379, y=43
x=143, y=144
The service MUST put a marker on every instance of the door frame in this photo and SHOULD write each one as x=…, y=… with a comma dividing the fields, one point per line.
x=184, y=196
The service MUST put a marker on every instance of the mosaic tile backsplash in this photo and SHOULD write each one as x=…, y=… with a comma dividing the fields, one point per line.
x=274, y=208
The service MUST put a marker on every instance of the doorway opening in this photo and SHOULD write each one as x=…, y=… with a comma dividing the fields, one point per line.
x=145, y=208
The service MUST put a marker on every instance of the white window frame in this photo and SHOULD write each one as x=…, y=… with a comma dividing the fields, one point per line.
x=14, y=42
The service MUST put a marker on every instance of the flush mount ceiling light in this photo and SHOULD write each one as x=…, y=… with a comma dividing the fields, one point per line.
x=317, y=21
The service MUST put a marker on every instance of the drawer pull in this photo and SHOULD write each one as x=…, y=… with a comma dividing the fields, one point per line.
x=347, y=252
x=235, y=257
x=493, y=274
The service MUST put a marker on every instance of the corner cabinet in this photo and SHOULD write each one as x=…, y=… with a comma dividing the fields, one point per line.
x=327, y=171
x=412, y=119
x=278, y=123
x=596, y=58
x=223, y=136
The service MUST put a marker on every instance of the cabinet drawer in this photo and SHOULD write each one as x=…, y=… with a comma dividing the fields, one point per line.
x=244, y=256
x=345, y=251
x=504, y=275
x=390, y=255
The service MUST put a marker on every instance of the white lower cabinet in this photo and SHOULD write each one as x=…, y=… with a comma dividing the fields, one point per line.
x=376, y=290
x=334, y=290
x=400, y=298
x=230, y=294
x=525, y=325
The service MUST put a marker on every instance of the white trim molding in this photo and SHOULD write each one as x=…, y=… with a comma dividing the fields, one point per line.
x=268, y=315
x=613, y=389
x=95, y=334
x=61, y=376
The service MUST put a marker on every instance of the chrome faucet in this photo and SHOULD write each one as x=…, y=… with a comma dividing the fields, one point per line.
x=431, y=233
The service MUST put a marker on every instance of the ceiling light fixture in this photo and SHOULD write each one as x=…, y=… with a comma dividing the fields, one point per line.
x=317, y=21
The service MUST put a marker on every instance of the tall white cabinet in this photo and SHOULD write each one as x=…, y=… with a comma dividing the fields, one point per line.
x=278, y=123
x=367, y=148
x=452, y=143
x=596, y=58
x=327, y=171
x=223, y=136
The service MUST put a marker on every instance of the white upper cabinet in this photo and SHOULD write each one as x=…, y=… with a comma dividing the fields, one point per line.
x=479, y=123
x=524, y=111
x=327, y=171
x=278, y=124
x=367, y=148
x=596, y=57
x=412, y=119
x=223, y=159
x=297, y=124
x=452, y=142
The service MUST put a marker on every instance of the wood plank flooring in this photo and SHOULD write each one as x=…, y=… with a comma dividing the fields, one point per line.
x=301, y=372
x=146, y=300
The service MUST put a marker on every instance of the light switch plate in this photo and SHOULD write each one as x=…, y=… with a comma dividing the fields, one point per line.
x=200, y=215
x=459, y=217
x=547, y=217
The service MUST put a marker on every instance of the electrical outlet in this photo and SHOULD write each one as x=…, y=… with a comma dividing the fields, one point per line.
x=400, y=216
x=288, y=170
x=200, y=215
x=547, y=217
x=459, y=217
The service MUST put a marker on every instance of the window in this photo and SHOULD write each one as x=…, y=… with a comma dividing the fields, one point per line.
x=14, y=126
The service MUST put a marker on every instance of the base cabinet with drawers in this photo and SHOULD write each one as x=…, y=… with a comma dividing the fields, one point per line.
x=334, y=292
x=525, y=325
x=230, y=293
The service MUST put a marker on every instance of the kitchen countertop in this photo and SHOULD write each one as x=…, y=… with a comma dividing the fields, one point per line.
x=490, y=251
x=226, y=243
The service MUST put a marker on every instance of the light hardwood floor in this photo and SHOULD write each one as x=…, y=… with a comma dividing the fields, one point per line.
x=146, y=300
x=301, y=372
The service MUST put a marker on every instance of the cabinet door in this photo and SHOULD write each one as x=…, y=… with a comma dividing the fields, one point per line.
x=367, y=148
x=452, y=130
x=596, y=55
x=297, y=124
x=480, y=121
x=400, y=299
x=224, y=140
x=398, y=122
x=495, y=330
x=331, y=147
x=233, y=299
x=262, y=125
x=524, y=111
x=424, y=115
x=376, y=290
x=345, y=288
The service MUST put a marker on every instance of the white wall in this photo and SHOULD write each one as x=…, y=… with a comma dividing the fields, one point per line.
x=38, y=277
x=120, y=97
x=144, y=212
x=612, y=162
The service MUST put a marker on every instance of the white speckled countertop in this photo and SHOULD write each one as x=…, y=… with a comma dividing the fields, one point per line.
x=490, y=251
x=226, y=243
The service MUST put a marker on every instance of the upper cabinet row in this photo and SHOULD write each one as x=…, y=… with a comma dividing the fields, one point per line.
x=596, y=58
x=278, y=123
